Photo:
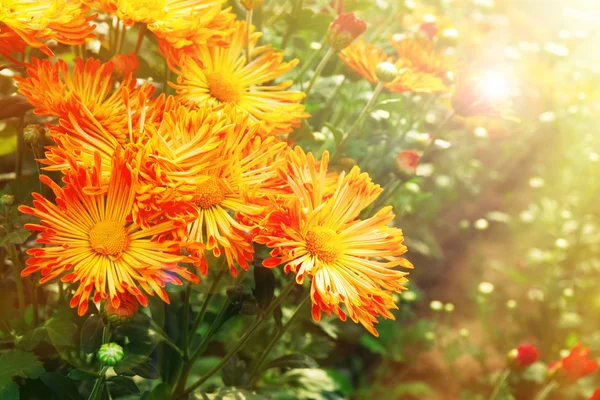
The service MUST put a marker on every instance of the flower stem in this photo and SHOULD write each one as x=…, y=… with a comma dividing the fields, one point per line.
x=546, y=391
x=499, y=384
x=143, y=28
x=255, y=325
x=324, y=61
x=17, y=268
x=259, y=362
x=248, y=25
x=310, y=60
x=202, y=313
x=99, y=384
x=359, y=121
x=186, y=321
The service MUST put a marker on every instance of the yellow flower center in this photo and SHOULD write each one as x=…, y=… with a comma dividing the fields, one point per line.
x=223, y=87
x=210, y=192
x=109, y=238
x=324, y=243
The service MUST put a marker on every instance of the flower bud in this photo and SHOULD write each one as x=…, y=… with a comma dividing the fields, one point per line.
x=436, y=305
x=407, y=161
x=523, y=356
x=235, y=293
x=122, y=314
x=125, y=64
x=110, y=354
x=344, y=30
x=34, y=134
x=449, y=307
x=386, y=71
x=7, y=200
x=429, y=29
x=252, y=4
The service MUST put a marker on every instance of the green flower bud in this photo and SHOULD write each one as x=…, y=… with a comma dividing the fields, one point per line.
x=7, y=199
x=235, y=293
x=386, y=72
x=110, y=354
x=34, y=134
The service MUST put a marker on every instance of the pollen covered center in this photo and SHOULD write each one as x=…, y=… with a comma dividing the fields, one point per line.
x=210, y=192
x=223, y=88
x=324, y=243
x=109, y=238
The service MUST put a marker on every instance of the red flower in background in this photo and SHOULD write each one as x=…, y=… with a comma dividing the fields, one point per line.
x=576, y=365
x=408, y=160
x=344, y=30
x=125, y=64
x=526, y=355
x=596, y=395
x=430, y=29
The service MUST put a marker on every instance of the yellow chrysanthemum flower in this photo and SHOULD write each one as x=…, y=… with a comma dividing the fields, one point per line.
x=422, y=69
x=216, y=76
x=349, y=261
x=218, y=162
x=32, y=22
x=92, y=241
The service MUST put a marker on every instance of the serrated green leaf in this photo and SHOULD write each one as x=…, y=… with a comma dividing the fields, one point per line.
x=234, y=372
x=31, y=339
x=229, y=394
x=60, y=329
x=293, y=361
x=371, y=343
x=122, y=386
x=80, y=375
x=18, y=363
x=18, y=236
x=161, y=392
x=63, y=387
x=137, y=365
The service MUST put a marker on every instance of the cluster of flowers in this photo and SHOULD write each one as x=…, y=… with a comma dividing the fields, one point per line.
x=152, y=183
x=567, y=370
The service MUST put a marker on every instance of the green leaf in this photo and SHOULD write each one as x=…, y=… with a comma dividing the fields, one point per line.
x=60, y=328
x=63, y=387
x=122, y=386
x=161, y=392
x=80, y=375
x=536, y=372
x=371, y=343
x=9, y=391
x=413, y=389
x=264, y=289
x=293, y=361
x=137, y=365
x=91, y=334
x=17, y=237
x=17, y=363
x=230, y=394
x=31, y=339
x=338, y=134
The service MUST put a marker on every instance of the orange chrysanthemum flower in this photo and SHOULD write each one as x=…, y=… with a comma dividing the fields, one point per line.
x=180, y=23
x=216, y=76
x=217, y=161
x=92, y=242
x=125, y=64
x=421, y=68
x=33, y=22
x=350, y=261
x=93, y=116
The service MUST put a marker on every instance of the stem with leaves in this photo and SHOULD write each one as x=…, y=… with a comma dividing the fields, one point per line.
x=499, y=384
x=359, y=121
x=255, y=325
x=99, y=384
x=17, y=268
x=259, y=362
x=324, y=61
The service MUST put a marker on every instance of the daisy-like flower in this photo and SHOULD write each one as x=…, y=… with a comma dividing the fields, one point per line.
x=92, y=243
x=93, y=116
x=33, y=22
x=216, y=76
x=349, y=261
x=180, y=23
x=218, y=162
x=421, y=68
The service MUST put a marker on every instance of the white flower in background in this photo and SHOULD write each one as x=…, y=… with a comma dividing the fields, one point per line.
x=485, y=288
x=481, y=224
x=436, y=305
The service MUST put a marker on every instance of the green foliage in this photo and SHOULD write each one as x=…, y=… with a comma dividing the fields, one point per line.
x=17, y=363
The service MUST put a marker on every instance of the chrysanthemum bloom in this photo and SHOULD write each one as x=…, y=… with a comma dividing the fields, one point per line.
x=91, y=241
x=33, y=22
x=350, y=261
x=93, y=116
x=574, y=366
x=420, y=68
x=217, y=160
x=181, y=23
x=595, y=395
x=217, y=76
x=524, y=355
